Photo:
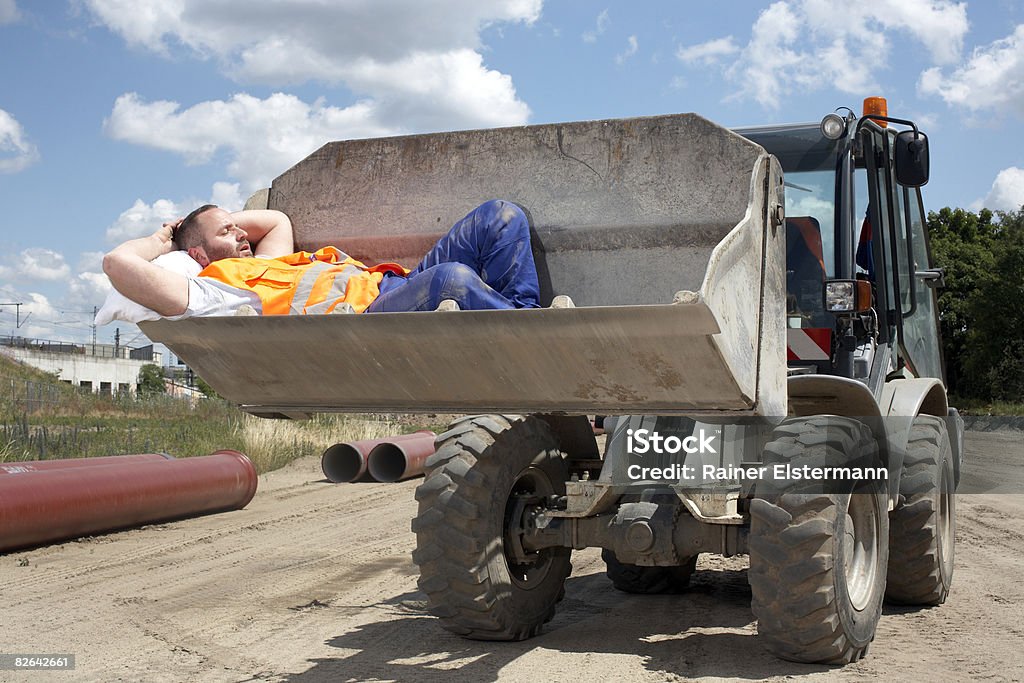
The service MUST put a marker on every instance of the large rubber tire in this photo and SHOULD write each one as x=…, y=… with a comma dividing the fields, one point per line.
x=922, y=530
x=818, y=556
x=632, y=578
x=465, y=503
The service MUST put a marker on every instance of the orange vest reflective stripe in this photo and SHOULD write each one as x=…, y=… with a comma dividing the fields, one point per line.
x=304, y=283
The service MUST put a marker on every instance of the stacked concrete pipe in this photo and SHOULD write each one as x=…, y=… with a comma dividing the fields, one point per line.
x=392, y=458
x=400, y=460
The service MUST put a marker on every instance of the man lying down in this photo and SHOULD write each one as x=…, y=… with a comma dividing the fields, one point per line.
x=213, y=262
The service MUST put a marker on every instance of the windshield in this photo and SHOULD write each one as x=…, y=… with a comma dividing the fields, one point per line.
x=812, y=195
x=809, y=161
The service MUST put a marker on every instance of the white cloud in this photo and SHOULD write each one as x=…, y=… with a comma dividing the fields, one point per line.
x=599, y=29
x=709, y=52
x=803, y=205
x=90, y=260
x=263, y=137
x=63, y=310
x=805, y=45
x=88, y=289
x=90, y=286
x=38, y=263
x=33, y=319
x=35, y=263
x=1007, y=193
x=766, y=64
x=227, y=196
x=434, y=92
x=141, y=218
x=16, y=150
x=928, y=121
x=8, y=12
x=939, y=25
x=321, y=38
x=414, y=66
x=632, y=46
x=992, y=78
x=39, y=306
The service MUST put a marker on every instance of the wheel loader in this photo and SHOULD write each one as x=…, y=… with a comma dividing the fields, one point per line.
x=753, y=311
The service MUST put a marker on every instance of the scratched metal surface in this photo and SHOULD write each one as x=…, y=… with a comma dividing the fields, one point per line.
x=624, y=211
x=583, y=360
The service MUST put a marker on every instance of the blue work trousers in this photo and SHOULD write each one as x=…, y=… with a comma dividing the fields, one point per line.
x=484, y=261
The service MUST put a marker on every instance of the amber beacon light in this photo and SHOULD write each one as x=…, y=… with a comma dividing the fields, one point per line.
x=876, y=106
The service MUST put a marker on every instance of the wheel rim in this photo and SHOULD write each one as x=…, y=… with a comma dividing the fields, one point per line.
x=526, y=575
x=861, y=549
x=945, y=520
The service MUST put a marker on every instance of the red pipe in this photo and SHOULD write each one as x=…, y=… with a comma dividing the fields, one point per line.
x=42, y=465
x=66, y=503
x=347, y=461
x=400, y=460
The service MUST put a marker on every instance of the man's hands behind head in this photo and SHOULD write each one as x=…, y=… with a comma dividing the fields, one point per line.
x=165, y=234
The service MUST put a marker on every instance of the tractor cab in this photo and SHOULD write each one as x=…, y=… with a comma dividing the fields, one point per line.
x=860, y=288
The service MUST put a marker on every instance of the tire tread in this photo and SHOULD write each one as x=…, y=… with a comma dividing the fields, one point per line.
x=456, y=501
x=915, y=562
x=791, y=560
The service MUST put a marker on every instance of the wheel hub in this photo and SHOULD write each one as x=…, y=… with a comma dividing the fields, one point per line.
x=860, y=554
x=945, y=521
x=529, y=491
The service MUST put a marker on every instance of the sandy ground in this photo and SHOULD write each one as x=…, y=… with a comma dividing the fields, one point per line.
x=314, y=582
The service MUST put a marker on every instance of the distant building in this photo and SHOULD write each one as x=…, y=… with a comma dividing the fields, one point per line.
x=100, y=368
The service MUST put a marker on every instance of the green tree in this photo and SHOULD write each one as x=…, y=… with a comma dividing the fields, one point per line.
x=982, y=306
x=996, y=339
x=205, y=389
x=151, y=380
x=961, y=243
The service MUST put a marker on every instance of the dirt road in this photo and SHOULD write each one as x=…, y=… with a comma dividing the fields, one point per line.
x=314, y=582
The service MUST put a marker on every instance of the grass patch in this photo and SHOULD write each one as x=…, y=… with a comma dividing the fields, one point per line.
x=149, y=427
x=271, y=444
x=42, y=419
x=978, y=407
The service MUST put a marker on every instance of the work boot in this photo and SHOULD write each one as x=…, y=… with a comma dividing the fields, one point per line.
x=562, y=301
x=448, y=305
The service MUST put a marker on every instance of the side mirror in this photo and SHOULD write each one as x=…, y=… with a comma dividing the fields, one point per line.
x=911, y=158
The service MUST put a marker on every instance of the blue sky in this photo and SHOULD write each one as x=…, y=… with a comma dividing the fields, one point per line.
x=118, y=114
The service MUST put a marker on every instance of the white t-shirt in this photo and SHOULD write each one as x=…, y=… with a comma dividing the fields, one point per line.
x=206, y=296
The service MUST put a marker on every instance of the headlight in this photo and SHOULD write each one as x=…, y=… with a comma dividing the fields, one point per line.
x=847, y=296
x=833, y=126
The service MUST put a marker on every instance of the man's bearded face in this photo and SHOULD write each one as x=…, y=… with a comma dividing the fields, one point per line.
x=222, y=238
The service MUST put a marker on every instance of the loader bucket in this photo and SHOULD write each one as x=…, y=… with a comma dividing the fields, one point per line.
x=664, y=231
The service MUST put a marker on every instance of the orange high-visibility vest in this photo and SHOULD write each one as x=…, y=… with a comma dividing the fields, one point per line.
x=305, y=283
